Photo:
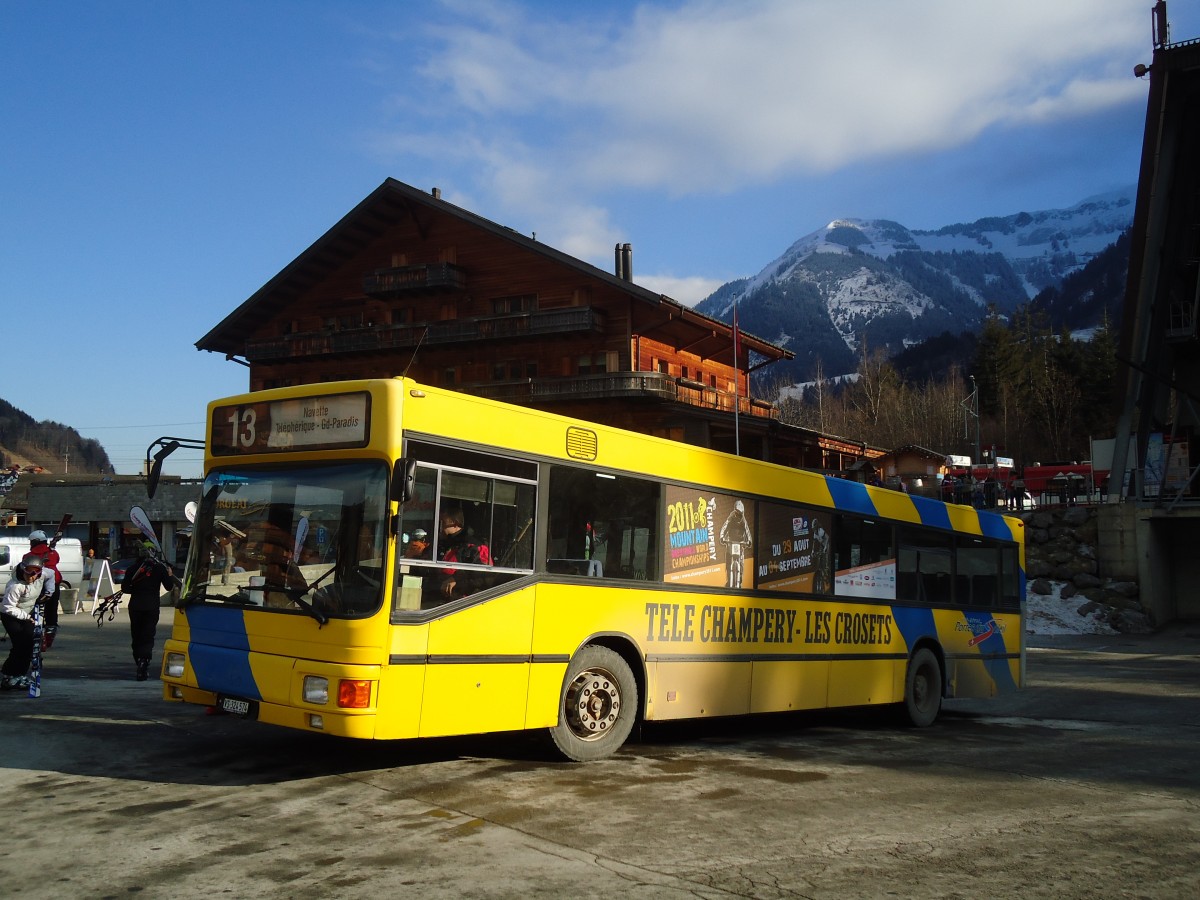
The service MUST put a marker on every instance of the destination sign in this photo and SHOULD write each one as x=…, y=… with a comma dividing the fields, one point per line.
x=327, y=422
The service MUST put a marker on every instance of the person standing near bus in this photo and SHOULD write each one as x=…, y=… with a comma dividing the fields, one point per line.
x=40, y=545
x=141, y=584
x=454, y=545
x=31, y=583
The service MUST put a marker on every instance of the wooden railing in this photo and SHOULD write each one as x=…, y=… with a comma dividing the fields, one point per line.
x=616, y=386
x=370, y=338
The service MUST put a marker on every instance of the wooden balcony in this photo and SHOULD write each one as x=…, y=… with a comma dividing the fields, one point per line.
x=621, y=386
x=397, y=280
x=376, y=338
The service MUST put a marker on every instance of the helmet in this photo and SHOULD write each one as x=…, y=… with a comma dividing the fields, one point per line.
x=36, y=537
x=419, y=534
x=30, y=566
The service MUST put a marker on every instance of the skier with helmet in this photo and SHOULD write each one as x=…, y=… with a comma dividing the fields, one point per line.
x=31, y=584
x=43, y=547
x=141, y=583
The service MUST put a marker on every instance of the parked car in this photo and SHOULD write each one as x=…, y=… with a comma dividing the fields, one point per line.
x=119, y=568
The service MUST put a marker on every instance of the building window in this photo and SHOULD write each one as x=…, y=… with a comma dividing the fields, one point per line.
x=518, y=303
x=592, y=364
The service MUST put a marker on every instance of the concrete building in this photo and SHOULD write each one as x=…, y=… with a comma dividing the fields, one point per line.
x=1152, y=535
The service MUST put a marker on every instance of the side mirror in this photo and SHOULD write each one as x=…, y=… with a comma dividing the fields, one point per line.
x=404, y=480
x=167, y=446
x=156, y=469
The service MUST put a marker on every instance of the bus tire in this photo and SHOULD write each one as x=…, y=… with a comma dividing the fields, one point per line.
x=597, y=706
x=922, y=689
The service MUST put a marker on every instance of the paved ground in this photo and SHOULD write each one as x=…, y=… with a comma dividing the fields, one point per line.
x=1085, y=785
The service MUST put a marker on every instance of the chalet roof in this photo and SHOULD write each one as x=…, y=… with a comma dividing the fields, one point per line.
x=394, y=200
x=916, y=450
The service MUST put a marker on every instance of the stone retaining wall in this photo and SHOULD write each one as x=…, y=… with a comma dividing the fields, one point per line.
x=1060, y=546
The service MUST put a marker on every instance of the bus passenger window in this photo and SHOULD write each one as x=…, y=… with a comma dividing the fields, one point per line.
x=462, y=533
x=864, y=559
x=601, y=525
x=925, y=567
x=977, y=563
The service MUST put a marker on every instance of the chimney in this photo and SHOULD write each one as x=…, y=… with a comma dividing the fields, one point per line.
x=437, y=193
x=624, y=261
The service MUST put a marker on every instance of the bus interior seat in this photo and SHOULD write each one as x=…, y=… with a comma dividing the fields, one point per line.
x=590, y=568
x=984, y=590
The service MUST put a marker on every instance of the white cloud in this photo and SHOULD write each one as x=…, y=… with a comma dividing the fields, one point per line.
x=707, y=96
x=689, y=291
x=551, y=107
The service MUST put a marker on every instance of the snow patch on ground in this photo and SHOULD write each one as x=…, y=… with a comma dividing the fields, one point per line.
x=1051, y=614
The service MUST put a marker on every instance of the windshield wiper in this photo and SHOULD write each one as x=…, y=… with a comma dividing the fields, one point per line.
x=297, y=597
x=242, y=597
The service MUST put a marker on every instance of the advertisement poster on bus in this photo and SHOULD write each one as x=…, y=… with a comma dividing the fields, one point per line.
x=795, y=551
x=877, y=580
x=709, y=539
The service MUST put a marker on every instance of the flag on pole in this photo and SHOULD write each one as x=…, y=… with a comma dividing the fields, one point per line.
x=737, y=436
x=736, y=337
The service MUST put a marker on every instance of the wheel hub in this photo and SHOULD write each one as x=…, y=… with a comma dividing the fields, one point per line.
x=593, y=703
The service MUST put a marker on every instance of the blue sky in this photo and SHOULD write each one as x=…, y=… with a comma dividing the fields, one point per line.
x=159, y=162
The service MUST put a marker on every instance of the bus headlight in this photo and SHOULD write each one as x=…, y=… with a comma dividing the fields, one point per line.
x=316, y=689
x=173, y=668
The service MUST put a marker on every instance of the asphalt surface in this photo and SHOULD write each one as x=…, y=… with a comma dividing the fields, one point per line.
x=1083, y=785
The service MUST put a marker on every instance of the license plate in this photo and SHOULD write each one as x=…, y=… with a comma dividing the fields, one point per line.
x=236, y=707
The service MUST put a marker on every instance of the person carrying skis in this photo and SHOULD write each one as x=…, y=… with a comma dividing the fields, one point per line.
x=141, y=584
x=40, y=545
x=31, y=584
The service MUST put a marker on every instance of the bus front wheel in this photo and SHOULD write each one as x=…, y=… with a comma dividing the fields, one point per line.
x=597, y=706
x=922, y=689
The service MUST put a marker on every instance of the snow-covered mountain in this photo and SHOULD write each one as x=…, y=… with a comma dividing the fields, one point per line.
x=877, y=281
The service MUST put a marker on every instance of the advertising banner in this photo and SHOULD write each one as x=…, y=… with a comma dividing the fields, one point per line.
x=709, y=539
x=795, y=551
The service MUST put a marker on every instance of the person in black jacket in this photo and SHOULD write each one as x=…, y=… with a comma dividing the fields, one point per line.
x=142, y=583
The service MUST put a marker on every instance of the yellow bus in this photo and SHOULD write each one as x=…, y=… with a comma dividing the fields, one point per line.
x=383, y=559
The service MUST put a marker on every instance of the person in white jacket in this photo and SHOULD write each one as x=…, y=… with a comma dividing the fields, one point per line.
x=30, y=584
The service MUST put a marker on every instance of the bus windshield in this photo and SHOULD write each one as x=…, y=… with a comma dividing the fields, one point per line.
x=304, y=539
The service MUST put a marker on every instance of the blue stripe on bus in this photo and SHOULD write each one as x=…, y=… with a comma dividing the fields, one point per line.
x=914, y=623
x=992, y=648
x=219, y=651
x=932, y=512
x=994, y=526
x=851, y=496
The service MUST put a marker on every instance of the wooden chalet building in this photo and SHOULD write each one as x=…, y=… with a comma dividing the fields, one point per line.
x=408, y=283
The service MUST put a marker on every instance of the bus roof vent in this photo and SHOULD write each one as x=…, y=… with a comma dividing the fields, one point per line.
x=582, y=443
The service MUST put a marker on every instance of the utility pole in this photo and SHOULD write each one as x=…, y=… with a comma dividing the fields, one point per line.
x=975, y=413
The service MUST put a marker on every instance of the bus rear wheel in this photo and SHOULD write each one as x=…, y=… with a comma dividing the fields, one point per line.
x=922, y=689
x=597, y=706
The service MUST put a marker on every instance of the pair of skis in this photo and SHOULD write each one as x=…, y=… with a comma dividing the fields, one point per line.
x=39, y=624
x=108, y=606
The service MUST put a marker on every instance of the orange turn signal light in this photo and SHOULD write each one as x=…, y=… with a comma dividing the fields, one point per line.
x=353, y=694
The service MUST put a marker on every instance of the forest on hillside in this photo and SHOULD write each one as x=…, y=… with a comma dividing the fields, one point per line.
x=1042, y=394
x=54, y=447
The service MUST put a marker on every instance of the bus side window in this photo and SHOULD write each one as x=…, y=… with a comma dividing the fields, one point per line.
x=601, y=526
